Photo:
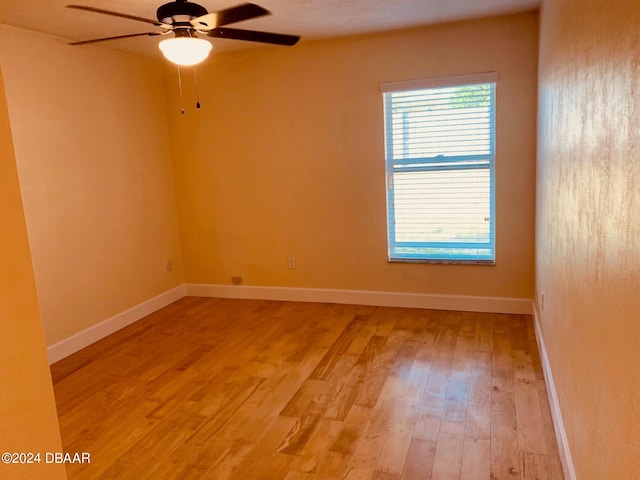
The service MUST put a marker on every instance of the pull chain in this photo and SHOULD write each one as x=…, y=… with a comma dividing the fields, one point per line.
x=180, y=87
x=195, y=81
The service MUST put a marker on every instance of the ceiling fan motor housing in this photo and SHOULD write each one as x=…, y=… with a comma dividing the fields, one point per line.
x=179, y=11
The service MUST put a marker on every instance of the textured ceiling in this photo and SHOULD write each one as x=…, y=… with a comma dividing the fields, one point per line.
x=311, y=19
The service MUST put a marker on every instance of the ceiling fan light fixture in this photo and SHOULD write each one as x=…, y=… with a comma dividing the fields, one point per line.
x=185, y=51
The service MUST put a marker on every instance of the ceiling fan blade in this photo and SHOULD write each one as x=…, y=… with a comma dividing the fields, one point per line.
x=253, y=36
x=96, y=40
x=115, y=14
x=239, y=13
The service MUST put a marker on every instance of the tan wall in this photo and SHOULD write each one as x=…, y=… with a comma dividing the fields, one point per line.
x=91, y=143
x=28, y=420
x=286, y=158
x=588, y=227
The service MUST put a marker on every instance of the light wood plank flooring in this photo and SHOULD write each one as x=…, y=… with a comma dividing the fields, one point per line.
x=247, y=389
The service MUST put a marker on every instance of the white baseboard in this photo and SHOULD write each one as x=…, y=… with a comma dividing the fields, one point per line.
x=556, y=413
x=364, y=297
x=467, y=303
x=92, y=334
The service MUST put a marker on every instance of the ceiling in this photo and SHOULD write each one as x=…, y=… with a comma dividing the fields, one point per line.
x=311, y=19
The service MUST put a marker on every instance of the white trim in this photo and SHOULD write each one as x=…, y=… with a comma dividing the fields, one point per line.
x=552, y=394
x=433, y=82
x=76, y=342
x=466, y=303
x=362, y=297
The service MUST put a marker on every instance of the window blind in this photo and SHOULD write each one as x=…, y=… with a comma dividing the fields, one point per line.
x=440, y=156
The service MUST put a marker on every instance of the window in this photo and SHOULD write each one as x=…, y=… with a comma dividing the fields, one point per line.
x=440, y=157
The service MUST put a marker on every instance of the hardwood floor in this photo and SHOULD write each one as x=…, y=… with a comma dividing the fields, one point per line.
x=248, y=389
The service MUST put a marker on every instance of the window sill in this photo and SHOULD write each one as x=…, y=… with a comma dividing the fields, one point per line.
x=442, y=261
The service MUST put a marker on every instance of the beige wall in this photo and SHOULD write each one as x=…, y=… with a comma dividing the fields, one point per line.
x=28, y=420
x=286, y=158
x=588, y=227
x=91, y=142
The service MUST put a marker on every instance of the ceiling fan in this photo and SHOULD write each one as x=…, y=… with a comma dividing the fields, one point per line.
x=187, y=20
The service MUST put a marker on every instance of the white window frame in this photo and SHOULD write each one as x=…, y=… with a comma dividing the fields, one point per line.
x=410, y=251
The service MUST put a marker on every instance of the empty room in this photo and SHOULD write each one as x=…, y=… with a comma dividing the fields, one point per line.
x=340, y=240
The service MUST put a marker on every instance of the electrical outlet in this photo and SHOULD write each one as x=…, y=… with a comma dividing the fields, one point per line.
x=236, y=280
x=291, y=262
x=170, y=265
